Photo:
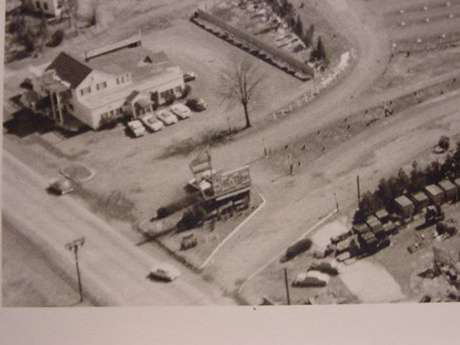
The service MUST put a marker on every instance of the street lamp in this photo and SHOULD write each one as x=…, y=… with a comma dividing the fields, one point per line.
x=73, y=247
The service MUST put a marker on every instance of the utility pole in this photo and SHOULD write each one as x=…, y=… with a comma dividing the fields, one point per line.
x=336, y=202
x=359, y=189
x=73, y=247
x=286, y=283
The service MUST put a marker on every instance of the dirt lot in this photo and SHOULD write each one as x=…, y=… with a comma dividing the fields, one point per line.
x=424, y=38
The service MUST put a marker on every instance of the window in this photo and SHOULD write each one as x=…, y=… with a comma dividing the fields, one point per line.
x=100, y=86
x=85, y=90
x=45, y=6
x=38, y=5
x=59, y=5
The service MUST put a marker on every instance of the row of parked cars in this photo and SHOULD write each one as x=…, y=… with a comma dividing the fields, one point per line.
x=157, y=120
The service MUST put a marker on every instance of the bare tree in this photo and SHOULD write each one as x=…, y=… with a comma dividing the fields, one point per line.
x=70, y=9
x=240, y=84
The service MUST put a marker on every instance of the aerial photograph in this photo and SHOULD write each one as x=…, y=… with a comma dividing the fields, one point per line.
x=230, y=152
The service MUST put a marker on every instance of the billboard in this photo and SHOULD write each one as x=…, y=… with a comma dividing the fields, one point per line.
x=231, y=181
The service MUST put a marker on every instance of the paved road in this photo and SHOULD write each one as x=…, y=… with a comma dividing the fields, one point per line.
x=114, y=270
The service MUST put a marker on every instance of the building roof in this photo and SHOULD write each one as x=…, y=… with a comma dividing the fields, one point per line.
x=420, y=196
x=70, y=69
x=433, y=190
x=361, y=228
x=403, y=201
x=382, y=213
x=139, y=61
x=446, y=185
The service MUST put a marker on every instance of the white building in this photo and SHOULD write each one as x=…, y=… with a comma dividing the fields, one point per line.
x=122, y=79
x=51, y=7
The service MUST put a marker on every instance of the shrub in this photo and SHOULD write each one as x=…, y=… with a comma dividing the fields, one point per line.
x=56, y=39
x=186, y=91
x=163, y=212
x=192, y=218
x=297, y=248
x=324, y=267
x=444, y=142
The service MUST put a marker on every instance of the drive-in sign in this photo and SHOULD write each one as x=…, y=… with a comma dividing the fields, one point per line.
x=231, y=181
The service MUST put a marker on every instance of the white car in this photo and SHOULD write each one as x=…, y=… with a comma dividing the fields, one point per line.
x=152, y=123
x=136, y=128
x=167, y=117
x=182, y=111
x=164, y=272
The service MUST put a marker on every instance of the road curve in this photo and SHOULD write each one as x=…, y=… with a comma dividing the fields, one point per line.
x=114, y=270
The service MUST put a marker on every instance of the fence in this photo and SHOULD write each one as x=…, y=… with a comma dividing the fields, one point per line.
x=256, y=46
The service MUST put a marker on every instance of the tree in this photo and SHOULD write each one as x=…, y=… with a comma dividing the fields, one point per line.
x=308, y=36
x=298, y=27
x=433, y=172
x=444, y=142
x=241, y=84
x=404, y=179
x=417, y=179
x=319, y=53
x=43, y=33
x=70, y=9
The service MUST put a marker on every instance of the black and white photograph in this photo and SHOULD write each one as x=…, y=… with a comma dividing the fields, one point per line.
x=230, y=153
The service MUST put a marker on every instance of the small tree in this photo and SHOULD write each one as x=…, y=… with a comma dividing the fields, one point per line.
x=241, y=84
x=444, y=142
x=417, y=179
x=404, y=179
x=43, y=33
x=319, y=53
x=309, y=35
x=70, y=9
x=298, y=27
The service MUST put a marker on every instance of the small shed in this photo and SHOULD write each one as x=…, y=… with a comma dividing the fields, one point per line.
x=457, y=183
x=435, y=194
x=343, y=246
x=405, y=207
x=360, y=228
x=390, y=228
x=375, y=225
x=449, y=189
x=382, y=215
x=368, y=239
x=420, y=201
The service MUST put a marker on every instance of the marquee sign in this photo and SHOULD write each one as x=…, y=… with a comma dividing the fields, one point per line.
x=231, y=181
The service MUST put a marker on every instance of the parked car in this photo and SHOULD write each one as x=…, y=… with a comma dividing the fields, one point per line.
x=181, y=111
x=61, y=186
x=167, y=117
x=151, y=122
x=164, y=272
x=137, y=128
x=197, y=104
x=189, y=76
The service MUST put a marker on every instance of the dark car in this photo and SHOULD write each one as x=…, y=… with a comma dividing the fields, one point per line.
x=197, y=104
x=61, y=187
